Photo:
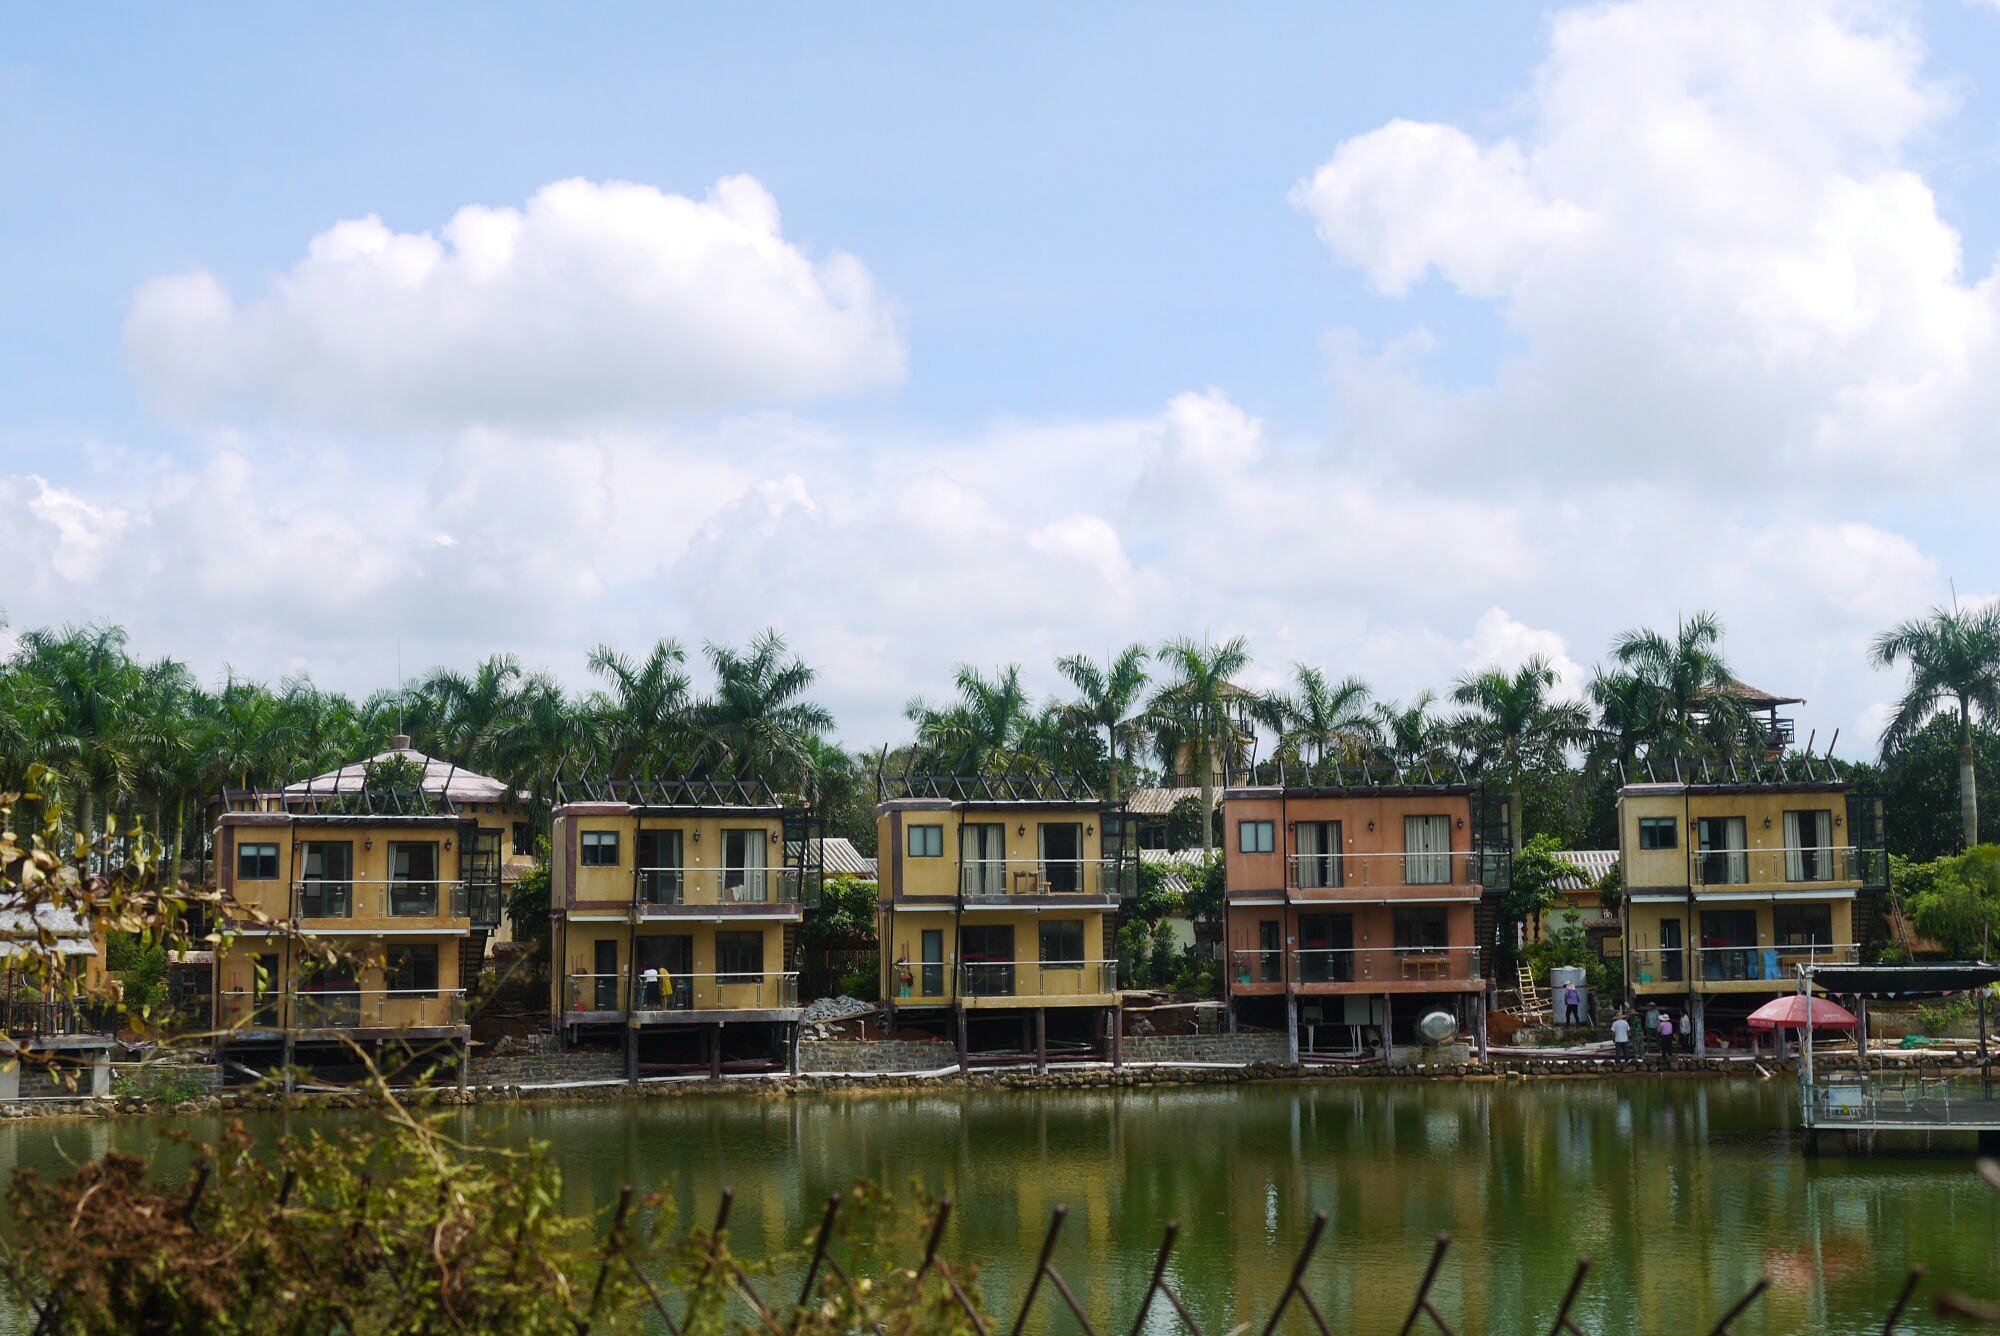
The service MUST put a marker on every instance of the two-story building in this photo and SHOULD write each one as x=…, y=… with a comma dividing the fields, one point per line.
x=998, y=904
x=1735, y=875
x=1359, y=901
x=676, y=908
x=378, y=885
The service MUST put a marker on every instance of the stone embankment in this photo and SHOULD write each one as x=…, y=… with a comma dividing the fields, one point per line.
x=580, y=1078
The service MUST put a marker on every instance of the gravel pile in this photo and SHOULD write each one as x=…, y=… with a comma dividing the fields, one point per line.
x=834, y=1008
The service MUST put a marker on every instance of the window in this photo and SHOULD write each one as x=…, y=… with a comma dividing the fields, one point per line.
x=1062, y=942
x=660, y=867
x=986, y=959
x=927, y=841
x=600, y=848
x=1670, y=950
x=524, y=846
x=1421, y=928
x=933, y=952
x=744, y=854
x=1724, y=861
x=1659, y=832
x=663, y=964
x=1319, y=854
x=1270, y=964
x=739, y=957
x=256, y=862
x=1808, y=846
x=982, y=848
x=326, y=886
x=413, y=880
x=1729, y=945
x=1062, y=857
x=604, y=975
x=1426, y=850
x=412, y=969
x=1803, y=925
x=1255, y=837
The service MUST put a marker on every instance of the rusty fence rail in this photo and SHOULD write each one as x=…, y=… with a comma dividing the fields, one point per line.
x=825, y=1270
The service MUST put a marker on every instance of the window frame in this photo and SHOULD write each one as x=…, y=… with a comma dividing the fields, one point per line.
x=403, y=967
x=259, y=851
x=731, y=973
x=924, y=841
x=1256, y=835
x=591, y=845
x=1653, y=825
x=1067, y=933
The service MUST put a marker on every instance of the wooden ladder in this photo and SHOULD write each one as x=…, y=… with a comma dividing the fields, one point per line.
x=1532, y=1002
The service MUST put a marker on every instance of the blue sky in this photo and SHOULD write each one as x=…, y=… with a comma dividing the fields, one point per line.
x=1479, y=405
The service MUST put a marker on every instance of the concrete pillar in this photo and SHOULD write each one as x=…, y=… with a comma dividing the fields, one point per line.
x=1117, y=1037
x=1041, y=1040
x=100, y=1073
x=1291, y=1027
x=464, y=1063
x=632, y=1053
x=792, y=1050
x=960, y=1016
x=290, y=1051
x=1861, y=1030
x=1479, y=1023
x=1388, y=1027
x=1700, y=1016
x=715, y=1052
x=1982, y=1027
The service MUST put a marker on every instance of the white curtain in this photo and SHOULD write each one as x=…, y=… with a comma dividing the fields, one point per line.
x=1808, y=855
x=1427, y=850
x=983, y=850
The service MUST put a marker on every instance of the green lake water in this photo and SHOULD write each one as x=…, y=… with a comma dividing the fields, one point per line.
x=1683, y=1192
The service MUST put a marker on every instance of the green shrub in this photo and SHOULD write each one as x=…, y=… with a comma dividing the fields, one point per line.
x=864, y=983
x=173, y=1085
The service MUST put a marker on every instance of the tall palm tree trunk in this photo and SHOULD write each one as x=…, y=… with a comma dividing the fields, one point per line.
x=1968, y=782
x=1517, y=815
x=1206, y=760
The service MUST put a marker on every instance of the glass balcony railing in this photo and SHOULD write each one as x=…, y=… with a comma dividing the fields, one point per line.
x=1038, y=979
x=337, y=1008
x=1735, y=964
x=711, y=991
x=1105, y=877
x=1364, y=965
x=1788, y=867
x=663, y=886
x=1330, y=874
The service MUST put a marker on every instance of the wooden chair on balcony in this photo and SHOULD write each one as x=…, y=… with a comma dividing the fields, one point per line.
x=1426, y=969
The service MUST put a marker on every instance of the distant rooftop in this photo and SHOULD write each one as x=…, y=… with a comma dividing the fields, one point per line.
x=454, y=782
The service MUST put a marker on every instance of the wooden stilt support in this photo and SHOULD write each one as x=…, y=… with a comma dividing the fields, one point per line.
x=464, y=1062
x=715, y=1052
x=1041, y=1040
x=1388, y=1026
x=632, y=1053
x=291, y=1053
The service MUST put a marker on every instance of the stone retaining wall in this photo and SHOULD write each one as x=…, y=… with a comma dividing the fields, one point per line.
x=1243, y=1048
x=874, y=1055
x=545, y=1069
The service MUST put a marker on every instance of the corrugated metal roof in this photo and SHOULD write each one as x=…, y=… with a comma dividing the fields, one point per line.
x=1159, y=802
x=1596, y=862
x=1177, y=862
x=466, y=786
x=843, y=859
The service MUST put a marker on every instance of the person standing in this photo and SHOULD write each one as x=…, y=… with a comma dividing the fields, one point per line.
x=1572, y=1012
x=1621, y=1036
x=1666, y=1035
x=1651, y=1029
x=1687, y=1033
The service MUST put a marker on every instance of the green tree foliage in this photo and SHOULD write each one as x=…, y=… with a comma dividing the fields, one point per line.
x=1538, y=868
x=141, y=968
x=1511, y=727
x=1954, y=664
x=1953, y=901
x=846, y=913
x=1107, y=698
x=1199, y=715
x=1919, y=781
x=528, y=902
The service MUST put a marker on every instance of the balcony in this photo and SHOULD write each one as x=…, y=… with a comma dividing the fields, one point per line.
x=1096, y=878
x=1735, y=964
x=337, y=1008
x=1796, y=868
x=1359, y=966
x=742, y=991
x=666, y=887
x=1038, y=980
x=1334, y=876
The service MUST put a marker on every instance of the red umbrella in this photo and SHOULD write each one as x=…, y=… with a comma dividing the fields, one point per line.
x=1792, y=1010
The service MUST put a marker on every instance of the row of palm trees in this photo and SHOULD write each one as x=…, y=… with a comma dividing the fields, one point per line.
x=99, y=732
x=102, y=736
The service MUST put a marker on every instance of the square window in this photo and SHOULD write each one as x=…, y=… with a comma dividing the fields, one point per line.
x=739, y=957
x=256, y=862
x=600, y=848
x=1256, y=837
x=1658, y=832
x=1062, y=942
x=927, y=841
x=412, y=969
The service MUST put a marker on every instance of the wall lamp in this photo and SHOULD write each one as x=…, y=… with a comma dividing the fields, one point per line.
x=1371, y=825
x=368, y=844
x=1020, y=830
x=1767, y=823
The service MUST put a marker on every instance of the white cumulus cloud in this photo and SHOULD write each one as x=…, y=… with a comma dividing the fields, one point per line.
x=594, y=301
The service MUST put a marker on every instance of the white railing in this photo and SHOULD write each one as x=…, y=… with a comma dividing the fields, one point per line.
x=1045, y=876
x=1036, y=978
x=337, y=1008
x=1310, y=873
x=1735, y=964
x=1747, y=867
x=710, y=991
x=719, y=886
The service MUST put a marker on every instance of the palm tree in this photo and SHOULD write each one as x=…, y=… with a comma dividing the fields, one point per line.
x=1410, y=732
x=473, y=716
x=646, y=719
x=1335, y=718
x=1624, y=713
x=1510, y=725
x=757, y=717
x=89, y=682
x=1201, y=708
x=1108, y=697
x=1686, y=695
x=1954, y=658
x=986, y=724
